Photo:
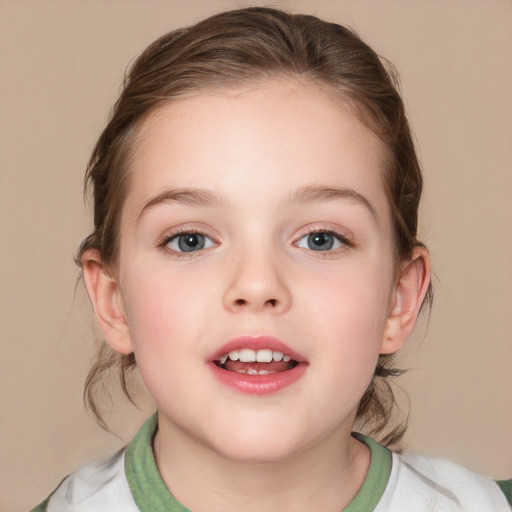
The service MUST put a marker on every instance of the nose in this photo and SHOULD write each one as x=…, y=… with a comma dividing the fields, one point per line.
x=256, y=283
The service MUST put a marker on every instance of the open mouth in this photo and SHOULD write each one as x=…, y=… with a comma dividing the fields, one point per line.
x=256, y=362
x=257, y=365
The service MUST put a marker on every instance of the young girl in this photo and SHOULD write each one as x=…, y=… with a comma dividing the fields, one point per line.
x=255, y=255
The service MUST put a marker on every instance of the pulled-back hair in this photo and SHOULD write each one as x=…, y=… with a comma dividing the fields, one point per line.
x=242, y=47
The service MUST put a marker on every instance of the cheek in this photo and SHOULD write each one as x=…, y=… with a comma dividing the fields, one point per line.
x=349, y=312
x=165, y=326
x=162, y=307
x=357, y=292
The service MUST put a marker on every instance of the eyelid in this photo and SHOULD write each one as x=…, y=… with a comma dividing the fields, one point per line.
x=344, y=236
x=163, y=241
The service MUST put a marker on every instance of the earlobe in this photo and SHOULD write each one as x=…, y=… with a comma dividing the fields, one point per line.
x=107, y=302
x=410, y=290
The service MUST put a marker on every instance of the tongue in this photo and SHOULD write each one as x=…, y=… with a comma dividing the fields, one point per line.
x=273, y=366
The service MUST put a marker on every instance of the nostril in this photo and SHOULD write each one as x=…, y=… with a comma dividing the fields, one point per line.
x=244, y=302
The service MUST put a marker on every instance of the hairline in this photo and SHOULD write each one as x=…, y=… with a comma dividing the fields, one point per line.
x=341, y=99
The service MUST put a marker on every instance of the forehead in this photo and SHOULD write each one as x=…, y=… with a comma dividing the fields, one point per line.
x=274, y=137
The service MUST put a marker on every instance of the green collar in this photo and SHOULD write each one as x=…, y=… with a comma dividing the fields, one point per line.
x=376, y=479
x=148, y=489
x=151, y=494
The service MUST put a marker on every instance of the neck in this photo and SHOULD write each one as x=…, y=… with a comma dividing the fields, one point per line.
x=328, y=474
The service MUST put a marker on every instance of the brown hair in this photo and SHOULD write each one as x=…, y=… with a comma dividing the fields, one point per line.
x=247, y=46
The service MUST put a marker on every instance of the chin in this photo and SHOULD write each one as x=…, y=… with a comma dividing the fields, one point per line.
x=258, y=445
x=255, y=453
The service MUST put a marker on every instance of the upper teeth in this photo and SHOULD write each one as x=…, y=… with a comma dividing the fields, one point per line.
x=246, y=355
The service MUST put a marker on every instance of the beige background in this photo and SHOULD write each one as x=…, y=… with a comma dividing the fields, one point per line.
x=61, y=64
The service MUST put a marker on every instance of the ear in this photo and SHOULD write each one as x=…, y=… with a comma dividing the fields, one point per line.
x=410, y=290
x=107, y=301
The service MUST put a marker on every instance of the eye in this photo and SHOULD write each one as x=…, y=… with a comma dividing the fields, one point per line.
x=189, y=242
x=322, y=241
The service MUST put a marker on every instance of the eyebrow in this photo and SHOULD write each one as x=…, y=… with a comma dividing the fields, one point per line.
x=210, y=198
x=319, y=193
x=187, y=196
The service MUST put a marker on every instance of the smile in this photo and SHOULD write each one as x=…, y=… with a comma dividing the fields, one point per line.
x=257, y=365
x=256, y=362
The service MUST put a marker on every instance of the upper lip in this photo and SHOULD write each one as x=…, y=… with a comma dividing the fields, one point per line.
x=256, y=343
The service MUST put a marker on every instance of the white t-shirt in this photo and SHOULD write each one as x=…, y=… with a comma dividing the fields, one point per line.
x=130, y=482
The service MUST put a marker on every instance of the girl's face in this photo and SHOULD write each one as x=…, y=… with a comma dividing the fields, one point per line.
x=256, y=221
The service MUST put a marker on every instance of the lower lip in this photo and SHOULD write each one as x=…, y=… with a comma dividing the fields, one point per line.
x=258, y=384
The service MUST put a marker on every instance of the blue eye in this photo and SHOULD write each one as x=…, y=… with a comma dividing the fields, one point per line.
x=189, y=242
x=322, y=241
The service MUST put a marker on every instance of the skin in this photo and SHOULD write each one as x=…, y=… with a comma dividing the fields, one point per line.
x=257, y=275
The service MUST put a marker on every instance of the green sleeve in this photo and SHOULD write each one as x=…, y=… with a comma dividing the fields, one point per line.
x=42, y=506
x=506, y=487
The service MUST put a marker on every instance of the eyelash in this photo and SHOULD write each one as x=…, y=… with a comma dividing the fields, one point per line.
x=343, y=239
x=164, y=243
